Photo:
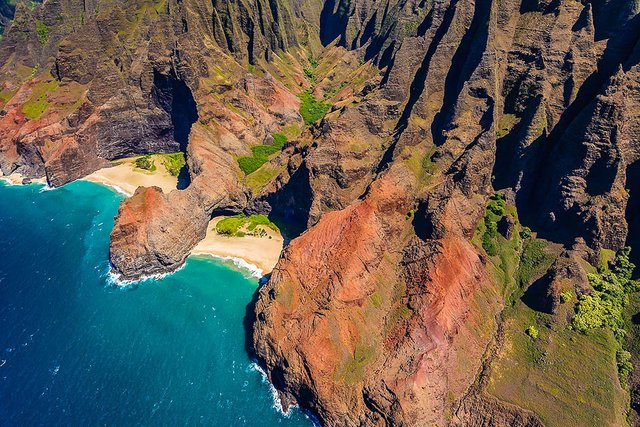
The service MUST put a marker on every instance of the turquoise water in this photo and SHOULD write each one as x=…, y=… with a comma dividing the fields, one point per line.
x=77, y=350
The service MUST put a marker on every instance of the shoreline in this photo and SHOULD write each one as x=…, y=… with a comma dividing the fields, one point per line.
x=262, y=253
x=257, y=255
x=18, y=179
x=125, y=178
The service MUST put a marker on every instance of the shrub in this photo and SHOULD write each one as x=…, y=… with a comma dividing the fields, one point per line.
x=495, y=211
x=490, y=247
x=241, y=225
x=250, y=164
x=565, y=296
x=261, y=153
x=43, y=31
x=173, y=163
x=145, y=163
x=604, y=307
x=532, y=258
x=311, y=109
x=533, y=332
x=623, y=361
x=525, y=233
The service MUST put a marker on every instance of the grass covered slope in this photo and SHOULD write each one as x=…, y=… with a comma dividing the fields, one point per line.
x=261, y=154
x=559, y=368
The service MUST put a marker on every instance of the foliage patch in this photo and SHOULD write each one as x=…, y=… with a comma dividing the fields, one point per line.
x=145, y=163
x=605, y=306
x=261, y=153
x=173, y=162
x=311, y=109
x=43, y=32
x=241, y=225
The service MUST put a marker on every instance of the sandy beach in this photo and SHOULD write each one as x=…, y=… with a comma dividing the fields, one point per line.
x=17, y=179
x=263, y=252
x=126, y=178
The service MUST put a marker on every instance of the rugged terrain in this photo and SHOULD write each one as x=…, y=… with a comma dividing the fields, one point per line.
x=458, y=168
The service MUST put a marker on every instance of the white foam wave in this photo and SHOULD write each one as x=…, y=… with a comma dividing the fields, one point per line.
x=47, y=187
x=277, y=403
x=11, y=183
x=119, y=190
x=240, y=263
x=115, y=279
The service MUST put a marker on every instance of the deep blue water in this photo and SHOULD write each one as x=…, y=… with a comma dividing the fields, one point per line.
x=77, y=350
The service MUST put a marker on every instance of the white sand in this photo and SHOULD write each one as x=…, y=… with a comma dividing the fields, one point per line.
x=263, y=252
x=16, y=179
x=126, y=178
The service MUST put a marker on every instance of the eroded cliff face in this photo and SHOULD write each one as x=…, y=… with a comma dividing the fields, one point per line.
x=476, y=96
x=385, y=311
x=89, y=82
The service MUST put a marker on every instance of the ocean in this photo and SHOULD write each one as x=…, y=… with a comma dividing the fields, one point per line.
x=75, y=349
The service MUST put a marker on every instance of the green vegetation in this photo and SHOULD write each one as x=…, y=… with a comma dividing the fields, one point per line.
x=495, y=211
x=43, y=31
x=6, y=95
x=376, y=299
x=241, y=225
x=623, y=362
x=311, y=109
x=533, y=332
x=538, y=367
x=605, y=306
x=547, y=375
x=37, y=104
x=565, y=296
x=354, y=369
x=310, y=71
x=173, y=162
x=257, y=180
x=533, y=257
x=145, y=163
x=261, y=153
x=525, y=233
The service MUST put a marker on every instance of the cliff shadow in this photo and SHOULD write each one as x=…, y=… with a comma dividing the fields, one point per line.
x=250, y=318
x=290, y=205
x=632, y=213
x=536, y=297
x=174, y=96
x=334, y=18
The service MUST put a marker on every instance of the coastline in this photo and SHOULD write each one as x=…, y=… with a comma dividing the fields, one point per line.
x=17, y=179
x=260, y=253
x=125, y=178
x=257, y=255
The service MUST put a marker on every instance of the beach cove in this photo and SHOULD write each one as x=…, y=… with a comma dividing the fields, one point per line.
x=258, y=254
x=77, y=350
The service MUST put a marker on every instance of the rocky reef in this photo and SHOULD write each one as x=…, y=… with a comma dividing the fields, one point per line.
x=400, y=302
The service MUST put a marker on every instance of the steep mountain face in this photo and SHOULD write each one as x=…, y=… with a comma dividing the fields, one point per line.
x=392, y=308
